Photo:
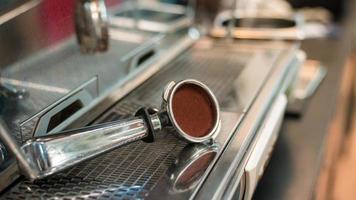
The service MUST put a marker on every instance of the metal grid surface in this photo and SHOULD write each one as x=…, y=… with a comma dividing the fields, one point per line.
x=53, y=73
x=132, y=171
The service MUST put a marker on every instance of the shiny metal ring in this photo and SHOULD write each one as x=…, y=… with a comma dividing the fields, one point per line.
x=190, y=161
x=168, y=94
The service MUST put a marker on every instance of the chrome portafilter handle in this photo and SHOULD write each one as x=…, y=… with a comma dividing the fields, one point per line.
x=44, y=156
x=50, y=154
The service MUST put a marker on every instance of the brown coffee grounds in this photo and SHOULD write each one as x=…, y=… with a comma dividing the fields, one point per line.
x=193, y=110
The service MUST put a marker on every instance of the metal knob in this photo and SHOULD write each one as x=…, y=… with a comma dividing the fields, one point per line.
x=91, y=25
x=13, y=93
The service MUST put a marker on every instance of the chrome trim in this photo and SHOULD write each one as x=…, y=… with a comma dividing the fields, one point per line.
x=229, y=169
x=285, y=80
x=88, y=90
x=262, y=148
x=156, y=122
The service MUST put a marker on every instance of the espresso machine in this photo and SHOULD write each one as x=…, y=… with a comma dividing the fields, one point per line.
x=87, y=99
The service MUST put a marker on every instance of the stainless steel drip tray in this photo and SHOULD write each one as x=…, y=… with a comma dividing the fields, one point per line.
x=235, y=73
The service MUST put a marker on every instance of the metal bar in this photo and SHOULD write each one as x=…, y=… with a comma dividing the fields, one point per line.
x=54, y=153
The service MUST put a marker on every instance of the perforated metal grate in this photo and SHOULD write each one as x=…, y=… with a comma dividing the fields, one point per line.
x=132, y=171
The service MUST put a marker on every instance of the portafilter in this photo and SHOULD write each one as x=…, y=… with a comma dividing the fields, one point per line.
x=188, y=106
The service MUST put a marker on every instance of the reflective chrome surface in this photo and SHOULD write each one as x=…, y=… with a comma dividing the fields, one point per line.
x=242, y=84
x=245, y=76
x=110, y=71
x=92, y=26
x=175, y=184
x=10, y=92
x=48, y=66
x=258, y=25
x=49, y=154
x=152, y=16
x=225, y=177
x=262, y=147
x=54, y=153
x=190, y=166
